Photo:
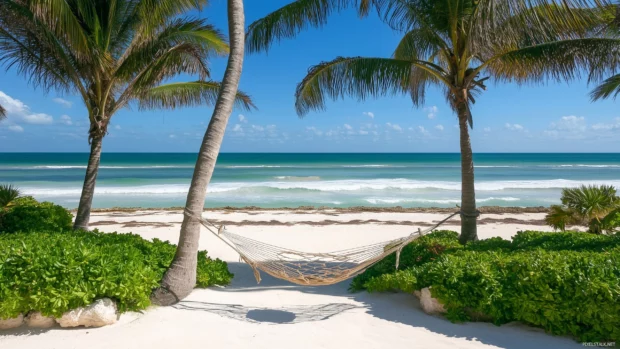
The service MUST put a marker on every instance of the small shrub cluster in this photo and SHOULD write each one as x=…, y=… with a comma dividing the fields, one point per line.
x=566, y=283
x=595, y=207
x=25, y=214
x=54, y=272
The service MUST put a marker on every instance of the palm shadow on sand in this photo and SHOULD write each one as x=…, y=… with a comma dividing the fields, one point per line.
x=395, y=307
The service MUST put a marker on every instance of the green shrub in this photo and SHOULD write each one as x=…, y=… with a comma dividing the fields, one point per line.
x=55, y=272
x=566, y=283
x=27, y=214
x=421, y=251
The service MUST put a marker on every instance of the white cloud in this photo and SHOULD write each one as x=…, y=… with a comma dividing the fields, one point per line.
x=16, y=128
x=348, y=127
x=65, y=103
x=369, y=114
x=363, y=133
x=242, y=118
x=117, y=127
x=37, y=119
x=439, y=127
x=19, y=111
x=316, y=131
x=172, y=136
x=423, y=130
x=615, y=125
x=66, y=119
x=431, y=111
x=514, y=127
x=258, y=128
x=487, y=129
x=237, y=128
x=570, y=123
x=395, y=127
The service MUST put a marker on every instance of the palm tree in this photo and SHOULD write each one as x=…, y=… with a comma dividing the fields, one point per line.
x=596, y=207
x=180, y=279
x=112, y=53
x=455, y=45
x=2, y=113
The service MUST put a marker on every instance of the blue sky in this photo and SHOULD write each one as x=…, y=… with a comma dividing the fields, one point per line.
x=508, y=118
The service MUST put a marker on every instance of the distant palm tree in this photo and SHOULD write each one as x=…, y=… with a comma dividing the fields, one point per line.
x=453, y=44
x=112, y=53
x=179, y=281
x=2, y=113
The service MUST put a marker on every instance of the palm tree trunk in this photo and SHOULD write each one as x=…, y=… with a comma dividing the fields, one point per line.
x=82, y=217
x=468, y=194
x=180, y=278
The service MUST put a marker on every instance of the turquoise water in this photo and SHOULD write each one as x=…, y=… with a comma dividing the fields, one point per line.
x=291, y=180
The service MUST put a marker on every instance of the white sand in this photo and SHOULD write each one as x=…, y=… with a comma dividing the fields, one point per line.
x=277, y=314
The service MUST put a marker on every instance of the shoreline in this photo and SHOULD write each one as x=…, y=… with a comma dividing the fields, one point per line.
x=353, y=209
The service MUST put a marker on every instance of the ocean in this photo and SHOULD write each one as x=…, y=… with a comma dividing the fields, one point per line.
x=290, y=180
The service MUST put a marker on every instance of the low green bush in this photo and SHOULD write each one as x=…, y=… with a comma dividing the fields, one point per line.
x=26, y=214
x=53, y=272
x=566, y=283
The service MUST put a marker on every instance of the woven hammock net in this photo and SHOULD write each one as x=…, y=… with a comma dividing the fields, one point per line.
x=307, y=268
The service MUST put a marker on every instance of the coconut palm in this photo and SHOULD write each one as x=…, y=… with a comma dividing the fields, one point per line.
x=452, y=44
x=112, y=53
x=596, y=207
x=180, y=279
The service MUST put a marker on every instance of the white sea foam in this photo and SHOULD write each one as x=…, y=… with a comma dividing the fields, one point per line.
x=266, y=188
x=392, y=201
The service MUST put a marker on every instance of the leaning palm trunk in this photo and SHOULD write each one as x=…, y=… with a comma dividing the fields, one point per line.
x=180, y=279
x=82, y=217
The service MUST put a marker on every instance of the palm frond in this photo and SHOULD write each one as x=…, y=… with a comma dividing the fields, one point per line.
x=8, y=194
x=192, y=34
x=560, y=217
x=609, y=88
x=152, y=13
x=2, y=113
x=352, y=76
x=183, y=94
x=35, y=50
x=63, y=20
x=590, y=201
x=290, y=20
x=559, y=60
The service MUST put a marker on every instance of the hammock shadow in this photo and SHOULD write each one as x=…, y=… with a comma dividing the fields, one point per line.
x=285, y=315
x=405, y=309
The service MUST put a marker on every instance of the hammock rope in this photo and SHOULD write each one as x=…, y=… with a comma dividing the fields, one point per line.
x=307, y=268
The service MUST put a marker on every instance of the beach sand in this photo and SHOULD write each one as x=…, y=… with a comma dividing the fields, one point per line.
x=277, y=314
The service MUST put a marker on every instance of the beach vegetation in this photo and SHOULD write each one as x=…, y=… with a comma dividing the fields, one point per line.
x=55, y=271
x=594, y=207
x=180, y=279
x=567, y=283
x=113, y=54
x=8, y=195
x=456, y=46
x=35, y=216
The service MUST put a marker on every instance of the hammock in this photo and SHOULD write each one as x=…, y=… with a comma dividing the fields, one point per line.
x=306, y=268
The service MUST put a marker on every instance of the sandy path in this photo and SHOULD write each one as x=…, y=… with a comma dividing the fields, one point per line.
x=277, y=314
